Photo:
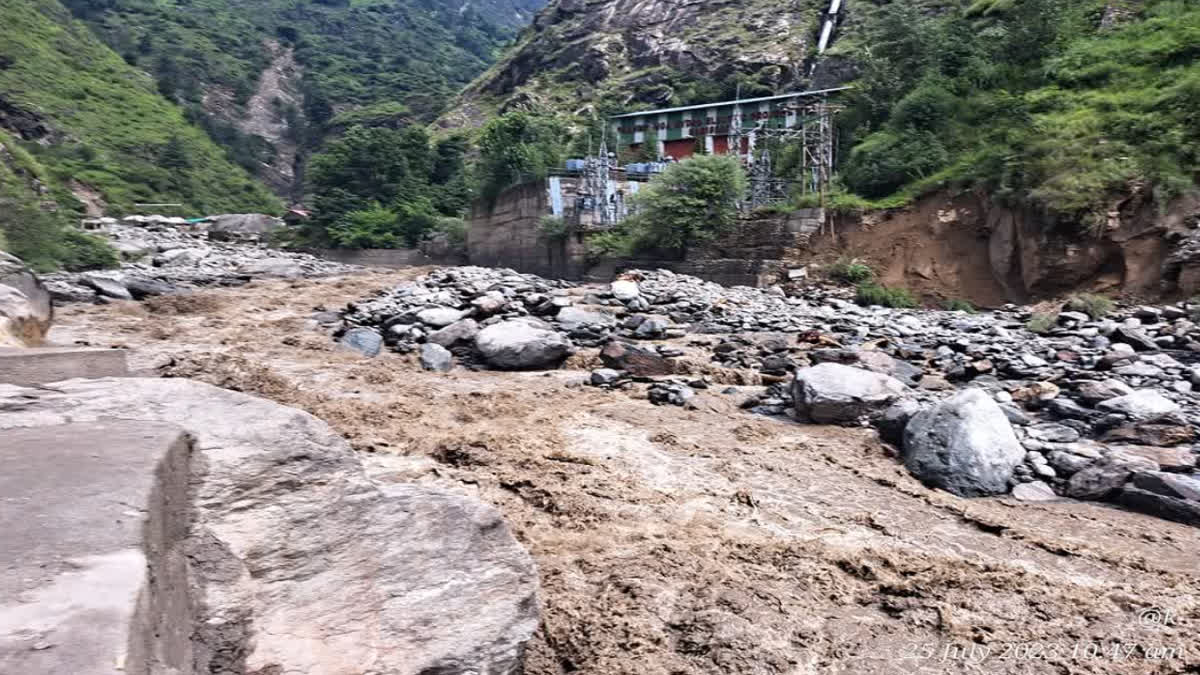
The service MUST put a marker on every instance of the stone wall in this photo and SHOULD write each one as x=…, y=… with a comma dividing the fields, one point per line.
x=508, y=233
x=757, y=253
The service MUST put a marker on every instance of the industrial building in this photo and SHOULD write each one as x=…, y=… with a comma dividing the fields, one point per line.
x=725, y=127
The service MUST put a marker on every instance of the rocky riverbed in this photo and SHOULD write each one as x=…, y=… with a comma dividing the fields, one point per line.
x=700, y=538
x=976, y=403
x=162, y=256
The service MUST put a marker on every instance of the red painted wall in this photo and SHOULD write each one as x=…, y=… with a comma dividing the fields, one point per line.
x=679, y=149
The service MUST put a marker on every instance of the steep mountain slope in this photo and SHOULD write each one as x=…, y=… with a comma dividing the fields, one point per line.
x=85, y=125
x=269, y=78
x=614, y=53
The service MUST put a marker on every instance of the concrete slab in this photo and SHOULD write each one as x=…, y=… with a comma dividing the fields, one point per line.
x=41, y=365
x=73, y=500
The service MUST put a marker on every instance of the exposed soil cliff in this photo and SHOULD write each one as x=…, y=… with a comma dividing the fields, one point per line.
x=969, y=247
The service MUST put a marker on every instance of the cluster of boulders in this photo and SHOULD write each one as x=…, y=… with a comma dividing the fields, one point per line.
x=978, y=404
x=166, y=257
x=500, y=319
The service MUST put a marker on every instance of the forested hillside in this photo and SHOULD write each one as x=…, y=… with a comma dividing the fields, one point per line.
x=329, y=64
x=79, y=122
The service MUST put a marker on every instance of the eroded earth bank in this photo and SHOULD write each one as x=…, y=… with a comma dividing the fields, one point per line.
x=707, y=538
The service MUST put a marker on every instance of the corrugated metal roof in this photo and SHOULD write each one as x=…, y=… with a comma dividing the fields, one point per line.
x=743, y=101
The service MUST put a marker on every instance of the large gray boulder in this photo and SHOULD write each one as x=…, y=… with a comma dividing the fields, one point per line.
x=366, y=341
x=572, y=317
x=519, y=344
x=25, y=309
x=245, y=224
x=439, y=317
x=275, y=268
x=107, y=286
x=435, y=357
x=1101, y=479
x=182, y=257
x=636, y=360
x=964, y=445
x=1143, y=405
x=270, y=550
x=457, y=332
x=833, y=393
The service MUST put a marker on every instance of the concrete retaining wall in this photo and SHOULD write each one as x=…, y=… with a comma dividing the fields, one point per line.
x=508, y=233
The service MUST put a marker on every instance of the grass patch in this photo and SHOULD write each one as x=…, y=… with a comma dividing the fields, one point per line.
x=1095, y=306
x=958, y=305
x=851, y=271
x=874, y=294
x=1042, y=323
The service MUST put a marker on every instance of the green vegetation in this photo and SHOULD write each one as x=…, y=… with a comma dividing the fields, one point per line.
x=958, y=305
x=1042, y=323
x=354, y=54
x=346, y=63
x=90, y=118
x=43, y=238
x=851, y=271
x=690, y=203
x=376, y=187
x=1029, y=100
x=455, y=232
x=515, y=148
x=1095, y=306
x=610, y=244
x=870, y=293
x=553, y=228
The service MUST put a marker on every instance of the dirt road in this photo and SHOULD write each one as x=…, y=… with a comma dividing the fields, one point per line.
x=709, y=541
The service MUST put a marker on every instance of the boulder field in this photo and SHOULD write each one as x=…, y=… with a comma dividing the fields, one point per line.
x=976, y=402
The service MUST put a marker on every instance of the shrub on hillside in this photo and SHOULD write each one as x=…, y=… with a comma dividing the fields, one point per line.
x=46, y=243
x=851, y=271
x=1095, y=306
x=379, y=188
x=552, y=228
x=610, y=244
x=690, y=203
x=1042, y=323
x=870, y=293
x=958, y=305
x=82, y=251
x=517, y=147
x=374, y=227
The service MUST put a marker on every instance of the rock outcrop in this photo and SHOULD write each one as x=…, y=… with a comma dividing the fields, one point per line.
x=279, y=553
x=579, y=52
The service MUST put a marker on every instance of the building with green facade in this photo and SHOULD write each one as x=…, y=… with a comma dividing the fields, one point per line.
x=718, y=128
